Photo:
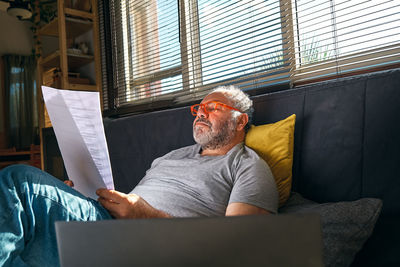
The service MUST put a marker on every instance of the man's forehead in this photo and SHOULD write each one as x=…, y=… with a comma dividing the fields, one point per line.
x=217, y=97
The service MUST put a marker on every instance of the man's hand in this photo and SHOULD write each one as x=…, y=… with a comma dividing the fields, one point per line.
x=124, y=206
x=69, y=183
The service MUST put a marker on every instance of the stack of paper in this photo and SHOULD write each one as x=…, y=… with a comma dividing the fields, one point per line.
x=78, y=125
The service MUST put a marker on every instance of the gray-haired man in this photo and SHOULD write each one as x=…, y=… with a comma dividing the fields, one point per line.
x=217, y=176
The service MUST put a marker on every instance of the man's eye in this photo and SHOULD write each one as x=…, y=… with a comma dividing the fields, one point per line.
x=211, y=107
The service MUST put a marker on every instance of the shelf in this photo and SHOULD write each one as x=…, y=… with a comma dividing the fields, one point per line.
x=76, y=86
x=83, y=87
x=74, y=60
x=74, y=26
x=61, y=67
x=78, y=13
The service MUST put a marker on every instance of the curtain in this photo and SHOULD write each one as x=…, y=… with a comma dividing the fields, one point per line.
x=20, y=101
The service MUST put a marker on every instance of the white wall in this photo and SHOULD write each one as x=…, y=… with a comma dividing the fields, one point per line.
x=15, y=36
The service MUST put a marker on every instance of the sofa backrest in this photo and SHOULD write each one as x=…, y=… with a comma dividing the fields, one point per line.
x=347, y=138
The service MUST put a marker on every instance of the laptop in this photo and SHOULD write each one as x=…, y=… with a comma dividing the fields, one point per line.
x=262, y=240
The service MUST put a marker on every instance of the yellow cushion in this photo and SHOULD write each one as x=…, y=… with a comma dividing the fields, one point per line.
x=274, y=143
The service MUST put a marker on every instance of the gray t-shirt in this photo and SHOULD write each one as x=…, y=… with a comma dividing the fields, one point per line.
x=184, y=183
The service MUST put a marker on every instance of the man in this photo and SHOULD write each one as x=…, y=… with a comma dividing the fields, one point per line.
x=215, y=177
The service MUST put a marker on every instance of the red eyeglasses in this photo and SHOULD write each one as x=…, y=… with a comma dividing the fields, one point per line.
x=210, y=106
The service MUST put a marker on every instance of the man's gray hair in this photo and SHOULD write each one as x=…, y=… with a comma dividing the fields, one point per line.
x=239, y=99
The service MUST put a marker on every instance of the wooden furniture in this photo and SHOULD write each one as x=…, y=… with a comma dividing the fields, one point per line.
x=35, y=156
x=71, y=27
x=10, y=156
x=71, y=65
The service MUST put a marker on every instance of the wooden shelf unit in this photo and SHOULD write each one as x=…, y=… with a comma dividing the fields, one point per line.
x=69, y=24
x=74, y=60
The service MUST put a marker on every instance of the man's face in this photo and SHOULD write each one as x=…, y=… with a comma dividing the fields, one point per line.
x=214, y=129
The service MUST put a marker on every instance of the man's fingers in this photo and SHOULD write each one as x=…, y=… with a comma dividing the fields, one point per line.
x=111, y=195
x=69, y=183
x=108, y=205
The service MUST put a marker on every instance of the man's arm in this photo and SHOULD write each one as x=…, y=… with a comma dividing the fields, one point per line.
x=254, y=189
x=127, y=206
x=239, y=209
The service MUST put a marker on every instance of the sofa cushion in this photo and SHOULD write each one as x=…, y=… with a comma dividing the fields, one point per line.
x=274, y=143
x=346, y=226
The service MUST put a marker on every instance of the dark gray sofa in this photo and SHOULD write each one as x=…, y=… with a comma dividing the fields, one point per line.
x=347, y=145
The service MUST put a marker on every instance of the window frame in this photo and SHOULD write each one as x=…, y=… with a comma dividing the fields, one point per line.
x=191, y=67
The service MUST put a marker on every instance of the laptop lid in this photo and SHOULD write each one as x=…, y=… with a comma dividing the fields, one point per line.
x=262, y=240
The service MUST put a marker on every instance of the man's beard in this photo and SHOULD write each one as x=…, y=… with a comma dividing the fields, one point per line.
x=214, y=138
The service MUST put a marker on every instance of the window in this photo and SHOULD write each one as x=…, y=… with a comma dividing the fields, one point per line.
x=146, y=52
x=20, y=100
x=239, y=40
x=167, y=52
x=339, y=36
x=14, y=95
x=17, y=97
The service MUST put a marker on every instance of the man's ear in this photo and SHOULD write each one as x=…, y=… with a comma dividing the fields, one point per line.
x=242, y=120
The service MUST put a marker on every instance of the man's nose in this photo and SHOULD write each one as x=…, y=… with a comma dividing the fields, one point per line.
x=201, y=112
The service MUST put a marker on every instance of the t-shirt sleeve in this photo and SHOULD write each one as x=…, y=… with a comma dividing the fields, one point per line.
x=255, y=185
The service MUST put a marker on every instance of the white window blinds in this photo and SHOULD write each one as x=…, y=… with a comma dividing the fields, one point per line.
x=167, y=52
x=237, y=42
x=146, y=50
x=335, y=37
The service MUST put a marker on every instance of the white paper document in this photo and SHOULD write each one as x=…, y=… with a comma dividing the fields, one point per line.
x=78, y=125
